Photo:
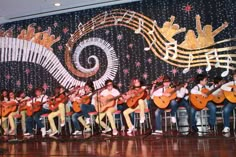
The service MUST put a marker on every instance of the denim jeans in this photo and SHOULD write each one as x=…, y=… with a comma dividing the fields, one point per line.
x=227, y=111
x=86, y=108
x=158, y=114
x=211, y=111
x=75, y=120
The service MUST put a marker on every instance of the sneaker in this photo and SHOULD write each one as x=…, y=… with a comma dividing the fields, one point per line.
x=226, y=130
x=87, y=120
x=142, y=120
x=77, y=132
x=194, y=129
x=27, y=134
x=106, y=130
x=130, y=130
x=53, y=133
x=157, y=132
x=173, y=119
x=43, y=130
x=63, y=123
x=114, y=132
x=87, y=130
x=49, y=131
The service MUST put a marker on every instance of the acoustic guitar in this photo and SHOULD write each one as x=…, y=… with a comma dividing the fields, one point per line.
x=102, y=103
x=132, y=102
x=163, y=101
x=231, y=95
x=7, y=107
x=54, y=104
x=219, y=98
x=198, y=101
x=83, y=100
x=35, y=107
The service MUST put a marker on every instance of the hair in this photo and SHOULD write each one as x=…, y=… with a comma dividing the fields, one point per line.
x=90, y=84
x=4, y=90
x=108, y=81
x=200, y=77
x=166, y=78
x=217, y=79
x=11, y=91
x=19, y=93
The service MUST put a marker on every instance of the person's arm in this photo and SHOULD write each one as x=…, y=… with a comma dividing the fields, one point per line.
x=226, y=87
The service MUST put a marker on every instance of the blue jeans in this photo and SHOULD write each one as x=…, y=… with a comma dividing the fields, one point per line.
x=75, y=120
x=85, y=109
x=158, y=114
x=227, y=111
x=211, y=111
x=35, y=118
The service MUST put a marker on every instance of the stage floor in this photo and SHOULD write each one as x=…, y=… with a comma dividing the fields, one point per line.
x=139, y=144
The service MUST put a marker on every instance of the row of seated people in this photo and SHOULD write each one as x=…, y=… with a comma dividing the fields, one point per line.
x=85, y=100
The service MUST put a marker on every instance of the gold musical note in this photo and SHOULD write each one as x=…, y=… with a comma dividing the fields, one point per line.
x=226, y=72
x=120, y=19
x=208, y=57
x=140, y=25
x=105, y=16
x=169, y=46
x=148, y=48
x=115, y=20
x=131, y=16
x=153, y=27
x=190, y=59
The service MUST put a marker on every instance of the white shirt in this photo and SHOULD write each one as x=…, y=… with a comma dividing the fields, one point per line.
x=197, y=89
x=41, y=98
x=114, y=92
x=227, y=86
x=180, y=93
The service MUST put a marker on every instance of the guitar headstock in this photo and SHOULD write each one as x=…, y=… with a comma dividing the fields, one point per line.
x=159, y=79
x=190, y=80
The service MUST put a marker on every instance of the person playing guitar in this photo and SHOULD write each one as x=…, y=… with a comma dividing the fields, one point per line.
x=166, y=91
x=135, y=101
x=42, y=100
x=201, y=80
x=11, y=101
x=82, y=101
x=22, y=100
x=58, y=109
x=4, y=98
x=4, y=95
x=229, y=105
x=110, y=91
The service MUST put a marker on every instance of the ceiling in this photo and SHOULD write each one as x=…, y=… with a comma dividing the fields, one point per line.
x=15, y=10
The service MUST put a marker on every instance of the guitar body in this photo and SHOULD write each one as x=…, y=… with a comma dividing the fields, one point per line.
x=104, y=103
x=83, y=100
x=30, y=110
x=53, y=105
x=133, y=101
x=198, y=101
x=231, y=96
x=7, y=108
x=22, y=106
x=163, y=101
x=219, y=98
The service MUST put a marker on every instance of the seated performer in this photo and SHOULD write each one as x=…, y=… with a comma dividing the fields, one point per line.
x=109, y=110
x=22, y=100
x=84, y=104
x=4, y=95
x=35, y=117
x=229, y=106
x=201, y=84
x=11, y=102
x=139, y=92
x=58, y=110
x=173, y=104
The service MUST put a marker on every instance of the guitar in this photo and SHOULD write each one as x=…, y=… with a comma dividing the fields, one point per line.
x=35, y=107
x=163, y=101
x=199, y=101
x=23, y=105
x=105, y=102
x=54, y=103
x=231, y=95
x=219, y=98
x=83, y=100
x=7, y=107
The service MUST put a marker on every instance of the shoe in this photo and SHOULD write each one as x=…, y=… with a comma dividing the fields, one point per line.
x=173, y=120
x=211, y=128
x=49, y=131
x=77, y=132
x=114, y=132
x=87, y=120
x=157, y=132
x=194, y=129
x=130, y=130
x=53, y=133
x=87, y=130
x=226, y=130
x=106, y=130
x=142, y=119
x=63, y=123
x=43, y=130
x=12, y=132
x=27, y=134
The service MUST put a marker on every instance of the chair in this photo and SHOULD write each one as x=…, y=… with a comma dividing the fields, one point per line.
x=92, y=120
x=167, y=116
x=147, y=121
x=118, y=120
x=182, y=119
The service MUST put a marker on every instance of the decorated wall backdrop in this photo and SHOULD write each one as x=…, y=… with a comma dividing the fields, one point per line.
x=142, y=39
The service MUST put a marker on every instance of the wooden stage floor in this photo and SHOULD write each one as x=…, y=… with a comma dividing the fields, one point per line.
x=139, y=144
